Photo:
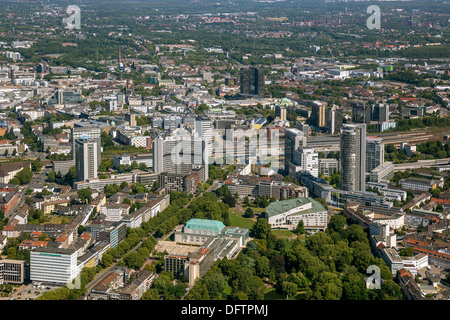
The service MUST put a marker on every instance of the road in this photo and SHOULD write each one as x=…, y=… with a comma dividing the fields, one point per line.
x=100, y=275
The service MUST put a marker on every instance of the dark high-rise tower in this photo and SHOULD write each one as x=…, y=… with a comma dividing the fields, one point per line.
x=252, y=81
x=353, y=157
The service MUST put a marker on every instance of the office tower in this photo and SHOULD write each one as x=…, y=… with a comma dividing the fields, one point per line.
x=293, y=139
x=252, y=81
x=333, y=119
x=54, y=265
x=87, y=131
x=86, y=163
x=361, y=113
x=60, y=96
x=380, y=112
x=280, y=112
x=180, y=154
x=318, y=115
x=374, y=153
x=353, y=157
x=307, y=160
x=131, y=118
x=203, y=129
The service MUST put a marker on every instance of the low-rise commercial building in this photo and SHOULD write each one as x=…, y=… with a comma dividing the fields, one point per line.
x=12, y=271
x=287, y=214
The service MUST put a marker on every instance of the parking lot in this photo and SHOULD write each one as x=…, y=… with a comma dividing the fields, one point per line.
x=30, y=292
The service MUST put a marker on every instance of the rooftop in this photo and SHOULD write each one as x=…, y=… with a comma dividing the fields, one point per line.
x=204, y=224
x=279, y=207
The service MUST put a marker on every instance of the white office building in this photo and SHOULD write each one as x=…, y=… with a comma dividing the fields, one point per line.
x=54, y=266
x=180, y=153
x=308, y=160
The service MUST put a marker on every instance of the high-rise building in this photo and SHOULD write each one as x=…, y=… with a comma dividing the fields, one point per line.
x=333, y=119
x=203, y=129
x=353, y=157
x=374, y=153
x=307, y=160
x=318, y=115
x=293, y=139
x=252, y=81
x=86, y=163
x=361, y=113
x=280, y=112
x=131, y=118
x=180, y=154
x=380, y=112
x=87, y=131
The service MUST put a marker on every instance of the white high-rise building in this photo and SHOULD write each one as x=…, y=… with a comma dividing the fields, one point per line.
x=53, y=265
x=203, y=129
x=179, y=153
x=307, y=160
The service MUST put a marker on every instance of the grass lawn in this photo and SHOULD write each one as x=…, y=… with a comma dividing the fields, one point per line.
x=254, y=208
x=288, y=244
x=56, y=219
x=238, y=221
x=283, y=233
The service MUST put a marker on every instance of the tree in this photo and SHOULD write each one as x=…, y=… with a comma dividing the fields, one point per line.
x=261, y=229
x=23, y=177
x=51, y=177
x=337, y=223
x=215, y=283
x=354, y=286
x=289, y=289
x=85, y=195
x=134, y=260
x=406, y=252
x=142, y=166
x=81, y=229
x=36, y=165
x=300, y=227
x=229, y=200
x=249, y=213
x=70, y=175
x=155, y=186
